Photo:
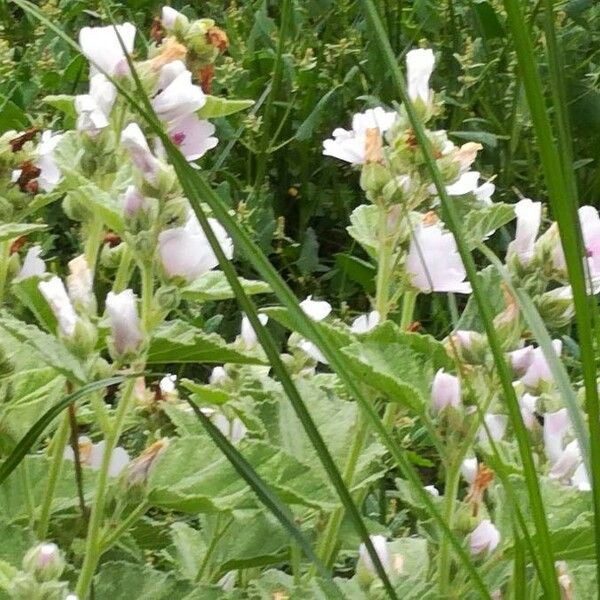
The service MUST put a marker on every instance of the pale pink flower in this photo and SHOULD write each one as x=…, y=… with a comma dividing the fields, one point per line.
x=484, y=538
x=135, y=143
x=419, y=67
x=433, y=261
x=170, y=17
x=193, y=136
x=496, y=424
x=468, y=469
x=556, y=425
x=101, y=46
x=445, y=391
x=185, y=251
x=133, y=201
x=529, y=219
x=124, y=321
x=350, y=146
x=93, y=109
x=50, y=174
x=177, y=97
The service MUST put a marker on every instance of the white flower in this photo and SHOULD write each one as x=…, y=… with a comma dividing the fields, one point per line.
x=528, y=404
x=178, y=96
x=170, y=17
x=529, y=219
x=133, y=201
x=124, y=321
x=248, y=334
x=538, y=370
x=317, y=310
x=49, y=172
x=93, y=109
x=381, y=548
x=567, y=462
x=101, y=46
x=55, y=294
x=580, y=479
x=496, y=425
x=556, y=425
x=433, y=261
x=468, y=469
x=485, y=192
x=365, y=323
x=193, y=136
x=80, y=283
x=484, y=538
x=32, y=265
x=312, y=350
x=465, y=156
x=218, y=376
x=419, y=66
x=91, y=455
x=445, y=391
x=135, y=143
x=467, y=183
x=233, y=430
x=185, y=251
x=431, y=489
x=167, y=384
x=350, y=146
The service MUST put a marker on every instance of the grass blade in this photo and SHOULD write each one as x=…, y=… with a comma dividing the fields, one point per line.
x=548, y=576
x=564, y=207
x=38, y=428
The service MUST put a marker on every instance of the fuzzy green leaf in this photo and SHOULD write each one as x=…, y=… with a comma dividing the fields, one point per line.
x=10, y=231
x=213, y=286
x=222, y=107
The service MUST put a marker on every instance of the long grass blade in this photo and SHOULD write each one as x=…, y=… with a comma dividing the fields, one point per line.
x=38, y=428
x=564, y=208
x=548, y=576
x=264, y=493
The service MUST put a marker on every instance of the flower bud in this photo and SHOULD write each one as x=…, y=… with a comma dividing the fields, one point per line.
x=32, y=265
x=44, y=562
x=468, y=469
x=55, y=294
x=135, y=143
x=365, y=568
x=125, y=322
x=139, y=468
x=445, y=391
x=374, y=176
x=218, y=376
x=496, y=425
x=468, y=346
x=23, y=586
x=529, y=219
x=80, y=285
x=168, y=297
x=174, y=21
x=248, y=334
x=484, y=538
x=419, y=66
x=556, y=306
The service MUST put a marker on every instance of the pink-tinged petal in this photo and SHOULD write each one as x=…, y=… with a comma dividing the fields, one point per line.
x=124, y=321
x=179, y=98
x=193, y=136
x=136, y=144
x=102, y=47
x=484, y=538
x=556, y=425
x=529, y=219
x=445, y=391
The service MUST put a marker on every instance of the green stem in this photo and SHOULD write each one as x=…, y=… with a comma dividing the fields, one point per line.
x=124, y=270
x=59, y=443
x=26, y=485
x=92, y=242
x=93, y=548
x=216, y=538
x=147, y=295
x=382, y=300
x=4, y=258
x=110, y=539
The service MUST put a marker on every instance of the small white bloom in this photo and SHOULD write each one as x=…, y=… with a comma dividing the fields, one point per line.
x=55, y=294
x=185, y=251
x=170, y=17
x=466, y=183
x=101, y=46
x=432, y=490
x=539, y=371
x=233, y=430
x=496, y=425
x=556, y=425
x=419, y=66
x=32, y=265
x=218, y=376
x=168, y=383
x=91, y=455
x=529, y=219
x=317, y=310
x=381, y=548
x=468, y=469
x=80, y=283
x=133, y=201
x=350, y=146
x=247, y=332
x=135, y=143
x=580, y=479
x=93, y=109
x=124, y=321
x=312, y=350
x=484, y=538
x=445, y=391
x=365, y=323
x=50, y=173
x=568, y=461
x=433, y=261
x=178, y=96
x=528, y=404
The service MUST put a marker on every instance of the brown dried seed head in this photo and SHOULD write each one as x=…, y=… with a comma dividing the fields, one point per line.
x=216, y=37
x=18, y=142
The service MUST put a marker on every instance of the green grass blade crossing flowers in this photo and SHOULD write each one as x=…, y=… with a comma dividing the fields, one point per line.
x=564, y=207
x=548, y=576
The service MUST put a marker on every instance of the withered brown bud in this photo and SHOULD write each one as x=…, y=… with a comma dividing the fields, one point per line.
x=17, y=143
x=18, y=244
x=218, y=38
x=156, y=30
x=112, y=239
x=29, y=172
x=206, y=75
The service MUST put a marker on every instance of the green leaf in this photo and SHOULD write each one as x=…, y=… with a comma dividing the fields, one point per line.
x=15, y=543
x=357, y=270
x=488, y=19
x=399, y=364
x=50, y=349
x=483, y=137
x=107, y=206
x=63, y=103
x=489, y=280
x=28, y=293
x=213, y=286
x=10, y=231
x=179, y=342
x=480, y=223
x=222, y=107
x=193, y=476
x=205, y=394
x=363, y=227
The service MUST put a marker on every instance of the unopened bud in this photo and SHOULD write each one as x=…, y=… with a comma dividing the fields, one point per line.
x=139, y=468
x=44, y=562
x=373, y=178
